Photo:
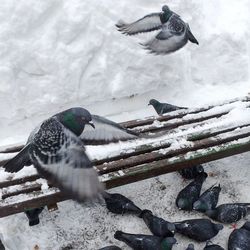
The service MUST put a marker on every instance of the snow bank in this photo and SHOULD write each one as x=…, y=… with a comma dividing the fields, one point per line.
x=58, y=53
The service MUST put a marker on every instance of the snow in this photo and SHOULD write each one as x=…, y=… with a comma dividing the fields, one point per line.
x=57, y=54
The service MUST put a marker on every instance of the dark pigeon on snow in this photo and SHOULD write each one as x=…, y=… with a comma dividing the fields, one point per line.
x=111, y=248
x=158, y=226
x=229, y=213
x=190, y=193
x=208, y=200
x=163, y=108
x=198, y=229
x=191, y=173
x=174, y=32
x=145, y=242
x=239, y=239
x=119, y=204
x=211, y=246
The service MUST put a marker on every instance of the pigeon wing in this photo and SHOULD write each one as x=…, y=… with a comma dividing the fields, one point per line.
x=170, y=39
x=146, y=24
x=105, y=131
x=59, y=155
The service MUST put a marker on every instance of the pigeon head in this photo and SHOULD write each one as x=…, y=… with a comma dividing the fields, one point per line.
x=211, y=213
x=171, y=228
x=218, y=227
x=153, y=102
x=165, y=8
x=167, y=243
x=75, y=119
x=183, y=203
x=246, y=226
x=200, y=206
x=190, y=246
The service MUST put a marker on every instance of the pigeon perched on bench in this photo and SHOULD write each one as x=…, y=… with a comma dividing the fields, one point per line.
x=174, y=34
x=57, y=151
x=163, y=108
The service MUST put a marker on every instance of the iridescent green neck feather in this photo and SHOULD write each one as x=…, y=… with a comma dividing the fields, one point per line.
x=70, y=121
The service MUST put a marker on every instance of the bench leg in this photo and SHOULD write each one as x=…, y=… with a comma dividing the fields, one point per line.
x=33, y=215
x=52, y=207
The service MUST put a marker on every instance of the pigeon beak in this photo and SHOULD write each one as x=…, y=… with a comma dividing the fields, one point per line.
x=91, y=124
x=149, y=104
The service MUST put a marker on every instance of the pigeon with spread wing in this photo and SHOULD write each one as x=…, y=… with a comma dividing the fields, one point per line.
x=174, y=34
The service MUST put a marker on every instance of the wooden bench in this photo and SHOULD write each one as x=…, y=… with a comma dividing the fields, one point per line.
x=168, y=143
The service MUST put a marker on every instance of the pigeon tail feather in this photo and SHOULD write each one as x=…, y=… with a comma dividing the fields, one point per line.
x=18, y=162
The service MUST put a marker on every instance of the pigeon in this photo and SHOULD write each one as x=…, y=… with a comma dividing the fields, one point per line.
x=190, y=193
x=174, y=32
x=119, y=204
x=158, y=226
x=190, y=247
x=211, y=246
x=229, y=213
x=33, y=215
x=239, y=239
x=163, y=108
x=208, y=200
x=191, y=173
x=145, y=242
x=58, y=154
x=198, y=229
x=111, y=248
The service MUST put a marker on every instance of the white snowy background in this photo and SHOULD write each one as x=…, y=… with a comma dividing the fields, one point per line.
x=55, y=54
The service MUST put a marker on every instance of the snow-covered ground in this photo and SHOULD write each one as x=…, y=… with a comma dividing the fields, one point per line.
x=57, y=53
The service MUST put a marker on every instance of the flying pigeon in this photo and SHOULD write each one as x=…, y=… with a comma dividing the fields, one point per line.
x=191, y=173
x=119, y=204
x=58, y=154
x=239, y=239
x=145, y=242
x=208, y=200
x=158, y=226
x=56, y=149
x=190, y=193
x=163, y=108
x=211, y=246
x=174, y=32
x=198, y=229
x=229, y=213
